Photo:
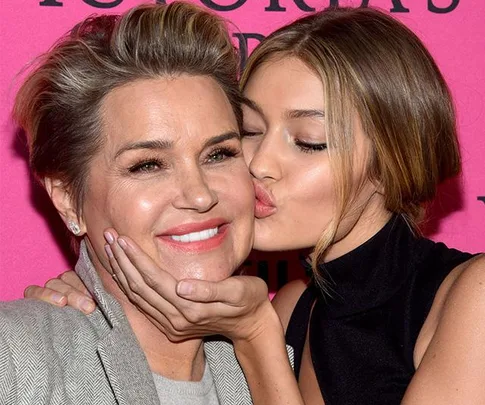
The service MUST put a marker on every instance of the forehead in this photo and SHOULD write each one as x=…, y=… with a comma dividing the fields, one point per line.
x=181, y=107
x=285, y=82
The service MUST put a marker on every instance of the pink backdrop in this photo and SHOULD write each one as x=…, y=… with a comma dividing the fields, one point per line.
x=32, y=243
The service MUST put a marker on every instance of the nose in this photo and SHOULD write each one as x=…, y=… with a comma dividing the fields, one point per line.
x=195, y=193
x=265, y=157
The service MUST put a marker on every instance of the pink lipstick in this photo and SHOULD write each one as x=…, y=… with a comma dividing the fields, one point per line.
x=264, y=206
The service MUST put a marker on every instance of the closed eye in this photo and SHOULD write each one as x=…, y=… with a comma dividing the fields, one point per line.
x=249, y=134
x=307, y=147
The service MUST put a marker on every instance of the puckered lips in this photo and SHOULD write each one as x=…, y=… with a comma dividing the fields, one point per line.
x=196, y=236
x=265, y=202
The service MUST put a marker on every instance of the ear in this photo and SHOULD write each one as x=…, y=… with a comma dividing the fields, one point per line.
x=62, y=200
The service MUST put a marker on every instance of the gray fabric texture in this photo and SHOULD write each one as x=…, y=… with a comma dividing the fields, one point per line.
x=51, y=355
x=201, y=392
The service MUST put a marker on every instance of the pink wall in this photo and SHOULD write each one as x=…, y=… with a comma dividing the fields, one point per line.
x=33, y=248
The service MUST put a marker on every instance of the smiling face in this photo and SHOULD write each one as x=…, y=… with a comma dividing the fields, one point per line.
x=285, y=146
x=171, y=175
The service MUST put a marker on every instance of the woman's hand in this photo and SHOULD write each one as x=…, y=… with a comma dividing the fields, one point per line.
x=237, y=307
x=66, y=289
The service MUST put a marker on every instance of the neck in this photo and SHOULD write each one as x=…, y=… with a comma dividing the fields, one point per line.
x=358, y=227
x=174, y=360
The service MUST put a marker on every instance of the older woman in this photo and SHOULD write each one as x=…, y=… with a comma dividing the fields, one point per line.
x=133, y=123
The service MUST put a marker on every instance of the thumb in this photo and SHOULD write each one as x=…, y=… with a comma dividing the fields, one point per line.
x=202, y=290
x=235, y=291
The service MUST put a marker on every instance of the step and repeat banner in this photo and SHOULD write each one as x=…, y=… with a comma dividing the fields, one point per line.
x=33, y=243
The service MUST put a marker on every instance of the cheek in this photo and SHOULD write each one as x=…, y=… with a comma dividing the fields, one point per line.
x=249, y=149
x=243, y=195
x=240, y=201
x=133, y=211
x=129, y=210
x=313, y=189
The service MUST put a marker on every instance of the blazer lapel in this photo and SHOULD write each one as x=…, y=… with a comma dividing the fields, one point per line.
x=123, y=360
x=127, y=369
x=231, y=385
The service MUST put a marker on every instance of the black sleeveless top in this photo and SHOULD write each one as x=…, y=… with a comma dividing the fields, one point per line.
x=363, y=331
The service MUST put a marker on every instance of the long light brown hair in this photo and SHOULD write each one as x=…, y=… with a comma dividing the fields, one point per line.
x=372, y=65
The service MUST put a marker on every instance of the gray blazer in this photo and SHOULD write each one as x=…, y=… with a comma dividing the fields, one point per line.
x=51, y=355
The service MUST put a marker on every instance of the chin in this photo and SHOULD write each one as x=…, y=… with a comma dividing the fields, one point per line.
x=208, y=272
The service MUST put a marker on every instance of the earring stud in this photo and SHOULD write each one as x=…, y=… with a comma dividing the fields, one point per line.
x=74, y=227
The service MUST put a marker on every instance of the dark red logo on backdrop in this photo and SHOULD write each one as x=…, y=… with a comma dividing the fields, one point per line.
x=396, y=6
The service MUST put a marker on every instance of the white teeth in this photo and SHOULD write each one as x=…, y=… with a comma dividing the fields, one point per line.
x=196, y=236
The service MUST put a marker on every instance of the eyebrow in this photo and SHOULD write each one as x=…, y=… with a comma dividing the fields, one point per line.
x=311, y=113
x=221, y=138
x=160, y=144
x=289, y=114
x=156, y=144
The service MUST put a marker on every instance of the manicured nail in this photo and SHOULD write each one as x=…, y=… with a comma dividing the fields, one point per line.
x=87, y=305
x=109, y=237
x=108, y=250
x=122, y=243
x=184, y=288
x=57, y=298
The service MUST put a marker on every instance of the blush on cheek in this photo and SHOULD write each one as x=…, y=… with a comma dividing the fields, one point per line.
x=145, y=205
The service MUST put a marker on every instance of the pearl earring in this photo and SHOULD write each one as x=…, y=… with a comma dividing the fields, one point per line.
x=74, y=227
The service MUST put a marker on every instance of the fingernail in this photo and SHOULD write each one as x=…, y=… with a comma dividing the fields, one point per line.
x=184, y=288
x=87, y=305
x=108, y=250
x=122, y=243
x=109, y=237
x=57, y=298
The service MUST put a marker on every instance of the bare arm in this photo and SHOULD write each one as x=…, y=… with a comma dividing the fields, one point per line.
x=262, y=361
x=452, y=368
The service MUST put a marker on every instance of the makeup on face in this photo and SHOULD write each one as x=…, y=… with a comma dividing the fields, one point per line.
x=284, y=144
x=166, y=173
x=285, y=147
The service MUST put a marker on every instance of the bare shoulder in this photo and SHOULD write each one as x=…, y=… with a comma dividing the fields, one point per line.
x=465, y=297
x=286, y=298
x=462, y=278
x=452, y=356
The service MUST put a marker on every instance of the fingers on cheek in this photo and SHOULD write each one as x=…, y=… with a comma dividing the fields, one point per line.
x=194, y=315
x=179, y=324
x=135, y=286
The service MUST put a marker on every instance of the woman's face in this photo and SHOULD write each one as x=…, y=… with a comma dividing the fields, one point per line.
x=285, y=147
x=171, y=175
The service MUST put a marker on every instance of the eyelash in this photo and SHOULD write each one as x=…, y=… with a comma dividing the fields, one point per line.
x=144, y=166
x=147, y=165
x=249, y=134
x=227, y=151
x=310, y=147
